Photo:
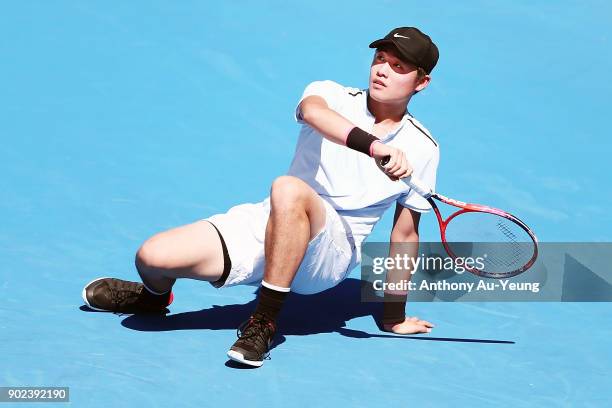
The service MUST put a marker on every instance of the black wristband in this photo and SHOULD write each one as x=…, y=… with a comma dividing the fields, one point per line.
x=360, y=140
x=394, y=308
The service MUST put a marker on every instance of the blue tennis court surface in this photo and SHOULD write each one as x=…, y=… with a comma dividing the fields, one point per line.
x=121, y=120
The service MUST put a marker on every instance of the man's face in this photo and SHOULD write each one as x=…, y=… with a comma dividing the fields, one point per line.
x=393, y=80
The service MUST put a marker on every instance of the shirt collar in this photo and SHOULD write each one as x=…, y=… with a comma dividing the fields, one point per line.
x=392, y=134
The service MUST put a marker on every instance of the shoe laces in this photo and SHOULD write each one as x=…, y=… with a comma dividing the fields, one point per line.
x=120, y=295
x=258, y=332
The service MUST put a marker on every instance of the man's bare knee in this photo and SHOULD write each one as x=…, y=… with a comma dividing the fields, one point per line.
x=291, y=194
x=151, y=255
x=287, y=192
x=191, y=251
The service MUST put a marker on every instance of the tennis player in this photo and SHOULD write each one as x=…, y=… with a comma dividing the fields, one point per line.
x=306, y=235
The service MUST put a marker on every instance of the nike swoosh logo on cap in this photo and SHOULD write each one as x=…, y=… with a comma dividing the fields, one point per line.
x=400, y=36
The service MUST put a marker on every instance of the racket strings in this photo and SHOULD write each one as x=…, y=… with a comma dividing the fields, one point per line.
x=506, y=230
x=502, y=245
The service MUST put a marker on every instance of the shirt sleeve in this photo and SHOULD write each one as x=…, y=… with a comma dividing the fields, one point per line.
x=427, y=175
x=329, y=90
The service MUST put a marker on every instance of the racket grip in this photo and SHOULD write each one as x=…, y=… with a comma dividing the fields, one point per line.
x=418, y=186
x=413, y=182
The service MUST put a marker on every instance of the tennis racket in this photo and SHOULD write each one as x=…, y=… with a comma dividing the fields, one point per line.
x=504, y=243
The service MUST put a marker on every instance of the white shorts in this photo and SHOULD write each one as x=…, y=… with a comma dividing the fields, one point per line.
x=325, y=264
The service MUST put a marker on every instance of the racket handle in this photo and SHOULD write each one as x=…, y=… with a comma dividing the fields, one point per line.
x=418, y=186
x=413, y=182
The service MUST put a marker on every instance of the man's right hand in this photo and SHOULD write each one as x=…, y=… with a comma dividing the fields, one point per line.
x=398, y=166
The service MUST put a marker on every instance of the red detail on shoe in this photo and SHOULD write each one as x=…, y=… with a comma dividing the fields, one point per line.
x=170, y=299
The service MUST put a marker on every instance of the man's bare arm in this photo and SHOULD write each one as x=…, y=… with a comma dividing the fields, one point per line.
x=404, y=241
x=336, y=128
x=326, y=121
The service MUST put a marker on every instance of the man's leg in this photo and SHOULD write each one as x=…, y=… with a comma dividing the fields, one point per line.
x=192, y=251
x=297, y=215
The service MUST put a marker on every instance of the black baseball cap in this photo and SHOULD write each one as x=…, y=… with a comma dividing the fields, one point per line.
x=413, y=46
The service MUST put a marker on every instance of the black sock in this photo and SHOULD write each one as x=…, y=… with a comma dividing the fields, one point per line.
x=270, y=302
x=163, y=298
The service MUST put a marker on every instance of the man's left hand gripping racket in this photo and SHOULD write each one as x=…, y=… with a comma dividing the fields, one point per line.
x=504, y=243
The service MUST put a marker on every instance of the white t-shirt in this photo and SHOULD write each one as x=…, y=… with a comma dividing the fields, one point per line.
x=349, y=180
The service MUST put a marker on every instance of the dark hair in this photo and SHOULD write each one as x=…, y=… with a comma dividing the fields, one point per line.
x=421, y=73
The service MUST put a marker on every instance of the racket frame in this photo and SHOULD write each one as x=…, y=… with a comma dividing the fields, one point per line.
x=469, y=207
x=420, y=188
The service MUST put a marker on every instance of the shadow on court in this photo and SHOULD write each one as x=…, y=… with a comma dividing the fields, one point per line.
x=325, y=312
